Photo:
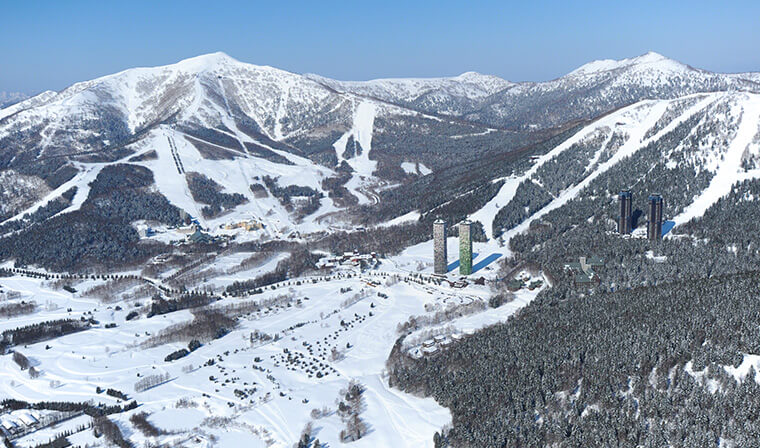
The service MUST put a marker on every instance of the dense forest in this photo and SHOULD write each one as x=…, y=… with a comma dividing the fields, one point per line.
x=639, y=367
x=466, y=183
x=206, y=191
x=642, y=359
x=99, y=233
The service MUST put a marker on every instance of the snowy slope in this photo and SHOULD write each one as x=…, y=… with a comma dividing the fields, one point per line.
x=27, y=103
x=730, y=170
x=435, y=95
x=603, y=85
x=723, y=135
x=308, y=122
x=255, y=392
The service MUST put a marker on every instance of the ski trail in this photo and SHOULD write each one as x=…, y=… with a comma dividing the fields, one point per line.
x=195, y=106
x=224, y=97
x=340, y=146
x=507, y=191
x=635, y=142
x=361, y=130
x=728, y=171
x=364, y=122
x=169, y=181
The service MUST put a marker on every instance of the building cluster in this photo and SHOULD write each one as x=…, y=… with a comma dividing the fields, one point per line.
x=431, y=346
x=440, y=255
x=585, y=270
x=347, y=259
x=248, y=225
x=19, y=422
x=625, y=220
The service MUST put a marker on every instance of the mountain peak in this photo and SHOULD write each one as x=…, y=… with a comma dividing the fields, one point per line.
x=471, y=75
x=650, y=59
x=479, y=77
x=207, y=61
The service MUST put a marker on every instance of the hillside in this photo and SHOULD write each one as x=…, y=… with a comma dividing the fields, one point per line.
x=214, y=253
x=263, y=121
x=690, y=149
x=586, y=92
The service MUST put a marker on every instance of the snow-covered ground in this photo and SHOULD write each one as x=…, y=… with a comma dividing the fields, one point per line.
x=415, y=168
x=238, y=390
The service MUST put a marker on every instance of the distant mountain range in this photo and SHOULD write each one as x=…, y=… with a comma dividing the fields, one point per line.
x=378, y=149
x=301, y=111
x=583, y=93
x=10, y=98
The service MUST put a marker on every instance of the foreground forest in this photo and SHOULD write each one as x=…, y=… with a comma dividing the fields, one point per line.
x=641, y=367
x=659, y=354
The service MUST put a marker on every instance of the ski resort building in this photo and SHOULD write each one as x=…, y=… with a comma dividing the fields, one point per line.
x=625, y=219
x=250, y=225
x=654, y=226
x=347, y=259
x=440, y=258
x=585, y=267
x=189, y=230
x=199, y=237
x=465, y=248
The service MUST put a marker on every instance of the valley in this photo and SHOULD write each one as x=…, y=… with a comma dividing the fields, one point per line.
x=214, y=253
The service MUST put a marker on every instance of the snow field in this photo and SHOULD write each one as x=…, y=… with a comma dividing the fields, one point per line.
x=262, y=390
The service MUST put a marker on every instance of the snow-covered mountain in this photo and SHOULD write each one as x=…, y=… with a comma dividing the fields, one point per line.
x=238, y=124
x=603, y=85
x=9, y=98
x=435, y=95
x=309, y=113
x=583, y=93
x=691, y=150
x=213, y=97
x=199, y=92
x=220, y=117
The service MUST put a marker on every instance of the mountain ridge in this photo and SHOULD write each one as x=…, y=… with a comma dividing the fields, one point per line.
x=360, y=145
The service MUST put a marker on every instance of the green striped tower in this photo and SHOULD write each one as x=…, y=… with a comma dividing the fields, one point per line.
x=465, y=248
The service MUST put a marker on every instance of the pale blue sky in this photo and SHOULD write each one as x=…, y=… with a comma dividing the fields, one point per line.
x=51, y=44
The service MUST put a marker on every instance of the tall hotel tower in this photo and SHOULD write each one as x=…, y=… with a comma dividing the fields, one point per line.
x=625, y=220
x=440, y=260
x=465, y=248
x=654, y=227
